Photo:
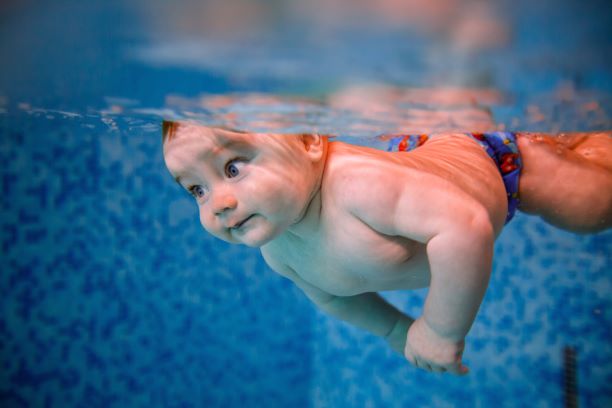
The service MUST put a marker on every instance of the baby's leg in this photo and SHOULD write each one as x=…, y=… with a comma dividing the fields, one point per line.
x=567, y=179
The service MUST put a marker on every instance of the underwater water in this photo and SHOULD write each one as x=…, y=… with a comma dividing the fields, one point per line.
x=113, y=295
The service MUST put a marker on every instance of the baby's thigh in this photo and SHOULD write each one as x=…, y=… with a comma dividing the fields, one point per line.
x=596, y=147
x=561, y=184
x=566, y=158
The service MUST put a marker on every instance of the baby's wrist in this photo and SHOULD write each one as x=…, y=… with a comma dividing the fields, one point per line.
x=440, y=335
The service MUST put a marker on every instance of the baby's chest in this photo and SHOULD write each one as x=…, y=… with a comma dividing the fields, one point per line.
x=346, y=263
x=367, y=251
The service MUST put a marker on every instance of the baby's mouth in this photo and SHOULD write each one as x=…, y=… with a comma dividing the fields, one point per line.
x=241, y=223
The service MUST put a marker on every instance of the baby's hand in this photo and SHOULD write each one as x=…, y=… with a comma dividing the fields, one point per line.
x=432, y=352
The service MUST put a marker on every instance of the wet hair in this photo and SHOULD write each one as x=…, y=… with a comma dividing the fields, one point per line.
x=169, y=129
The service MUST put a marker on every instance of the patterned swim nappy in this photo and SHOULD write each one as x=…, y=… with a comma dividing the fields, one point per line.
x=500, y=146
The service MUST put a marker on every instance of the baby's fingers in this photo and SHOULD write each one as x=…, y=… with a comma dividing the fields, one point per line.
x=428, y=365
x=410, y=357
x=437, y=369
x=458, y=369
x=455, y=368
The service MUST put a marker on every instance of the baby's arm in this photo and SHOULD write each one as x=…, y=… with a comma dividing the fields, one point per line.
x=368, y=311
x=460, y=264
x=459, y=238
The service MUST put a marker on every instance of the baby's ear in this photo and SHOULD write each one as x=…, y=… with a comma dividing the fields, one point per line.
x=314, y=145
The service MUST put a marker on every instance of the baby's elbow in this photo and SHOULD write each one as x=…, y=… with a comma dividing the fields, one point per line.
x=467, y=231
x=479, y=226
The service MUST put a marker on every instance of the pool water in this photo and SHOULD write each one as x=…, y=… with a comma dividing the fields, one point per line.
x=113, y=295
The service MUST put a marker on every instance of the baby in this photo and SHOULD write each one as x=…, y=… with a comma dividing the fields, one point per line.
x=344, y=222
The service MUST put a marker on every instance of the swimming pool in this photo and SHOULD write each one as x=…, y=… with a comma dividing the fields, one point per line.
x=114, y=296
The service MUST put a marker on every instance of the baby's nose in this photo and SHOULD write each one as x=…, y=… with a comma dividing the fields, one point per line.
x=223, y=203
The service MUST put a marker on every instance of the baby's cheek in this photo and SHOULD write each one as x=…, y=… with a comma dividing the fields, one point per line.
x=206, y=221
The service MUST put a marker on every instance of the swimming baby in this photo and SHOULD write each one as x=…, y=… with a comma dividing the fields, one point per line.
x=344, y=222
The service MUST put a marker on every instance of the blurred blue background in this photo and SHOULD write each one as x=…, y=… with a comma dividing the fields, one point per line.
x=113, y=295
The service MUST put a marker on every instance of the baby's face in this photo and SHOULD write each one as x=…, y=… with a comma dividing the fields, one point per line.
x=249, y=187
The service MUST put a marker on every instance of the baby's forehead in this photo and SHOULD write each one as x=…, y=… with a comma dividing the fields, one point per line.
x=230, y=140
x=210, y=133
x=210, y=141
x=212, y=138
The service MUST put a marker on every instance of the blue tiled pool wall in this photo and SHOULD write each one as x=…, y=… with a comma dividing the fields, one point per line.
x=114, y=296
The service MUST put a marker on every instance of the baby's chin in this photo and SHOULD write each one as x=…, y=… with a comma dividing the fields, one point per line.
x=255, y=242
x=255, y=238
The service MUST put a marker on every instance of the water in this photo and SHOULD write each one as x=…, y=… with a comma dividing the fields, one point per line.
x=114, y=296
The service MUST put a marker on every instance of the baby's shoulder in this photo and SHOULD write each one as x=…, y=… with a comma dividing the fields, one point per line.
x=347, y=177
x=356, y=178
x=350, y=167
x=347, y=162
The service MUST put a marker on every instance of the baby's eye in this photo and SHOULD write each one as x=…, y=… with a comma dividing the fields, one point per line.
x=198, y=191
x=233, y=168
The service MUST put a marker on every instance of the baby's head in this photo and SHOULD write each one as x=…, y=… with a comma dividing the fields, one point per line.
x=250, y=187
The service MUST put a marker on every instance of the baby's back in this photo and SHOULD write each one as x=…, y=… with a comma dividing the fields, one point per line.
x=456, y=160
x=461, y=160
